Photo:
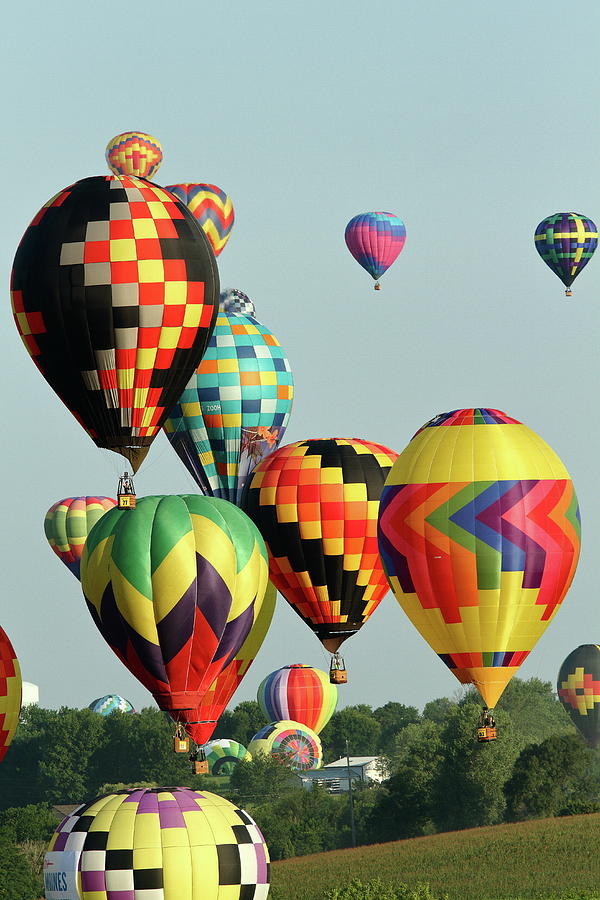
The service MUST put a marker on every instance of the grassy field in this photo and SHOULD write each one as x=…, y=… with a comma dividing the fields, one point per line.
x=545, y=858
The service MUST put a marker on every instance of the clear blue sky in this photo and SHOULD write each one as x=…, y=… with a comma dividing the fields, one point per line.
x=472, y=121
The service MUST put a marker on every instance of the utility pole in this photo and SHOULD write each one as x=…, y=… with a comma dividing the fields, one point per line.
x=352, y=825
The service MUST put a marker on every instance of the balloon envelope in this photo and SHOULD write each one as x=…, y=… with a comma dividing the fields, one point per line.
x=174, y=587
x=134, y=153
x=167, y=842
x=223, y=755
x=10, y=693
x=212, y=209
x=68, y=523
x=220, y=692
x=111, y=703
x=479, y=535
x=375, y=239
x=566, y=242
x=579, y=690
x=235, y=408
x=114, y=293
x=290, y=742
x=315, y=502
x=298, y=692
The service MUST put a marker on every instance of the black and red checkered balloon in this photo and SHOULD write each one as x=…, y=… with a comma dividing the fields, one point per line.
x=115, y=293
x=315, y=503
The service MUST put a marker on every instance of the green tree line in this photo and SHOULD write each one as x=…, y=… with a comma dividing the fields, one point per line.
x=439, y=777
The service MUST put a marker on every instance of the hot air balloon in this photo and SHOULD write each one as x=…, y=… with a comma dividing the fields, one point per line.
x=223, y=755
x=10, y=693
x=212, y=209
x=157, y=843
x=175, y=587
x=316, y=502
x=235, y=407
x=232, y=300
x=68, y=523
x=114, y=293
x=298, y=692
x=111, y=703
x=579, y=690
x=479, y=536
x=375, y=239
x=566, y=242
x=134, y=153
x=220, y=692
x=289, y=742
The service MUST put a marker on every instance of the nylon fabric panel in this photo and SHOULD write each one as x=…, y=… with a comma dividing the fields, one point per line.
x=578, y=690
x=235, y=408
x=306, y=499
x=479, y=566
x=174, y=587
x=114, y=293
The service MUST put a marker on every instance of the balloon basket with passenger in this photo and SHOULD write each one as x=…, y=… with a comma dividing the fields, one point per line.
x=181, y=742
x=486, y=728
x=126, y=492
x=199, y=762
x=337, y=670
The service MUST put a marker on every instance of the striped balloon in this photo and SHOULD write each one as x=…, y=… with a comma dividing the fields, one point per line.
x=235, y=407
x=375, y=239
x=134, y=153
x=223, y=755
x=566, y=242
x=111, y=703
x=298, y=692
x=211, y=207
x=174, y=587
x=10, y=693
x=68, y=523
x=289, y=742
x=479, y=535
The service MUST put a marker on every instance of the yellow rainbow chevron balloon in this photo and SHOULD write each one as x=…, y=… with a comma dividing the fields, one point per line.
x=479, y=534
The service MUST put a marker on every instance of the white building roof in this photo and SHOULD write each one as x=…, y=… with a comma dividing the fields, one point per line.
x=354, y=761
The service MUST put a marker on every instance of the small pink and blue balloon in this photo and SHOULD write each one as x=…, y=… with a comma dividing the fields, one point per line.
x=375, y=239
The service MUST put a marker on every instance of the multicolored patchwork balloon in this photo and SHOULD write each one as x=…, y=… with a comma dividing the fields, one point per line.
x=579, y=690
x=111, y=703
x=134, y=153
x=157, y=843
x=114, y=292
x=212, y=209
x=316, y=503
x=68, y=523
x=375, y=239
x=223, y=755
x=566, y=242
x=479, y=534
x=11, y=687
x=290, y=742
x=216, y=698
x=175, y=587
x=298, y=692
x=235, y=407
x=233, y=300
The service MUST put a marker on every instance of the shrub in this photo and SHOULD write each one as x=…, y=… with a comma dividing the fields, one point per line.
x=376, y=889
